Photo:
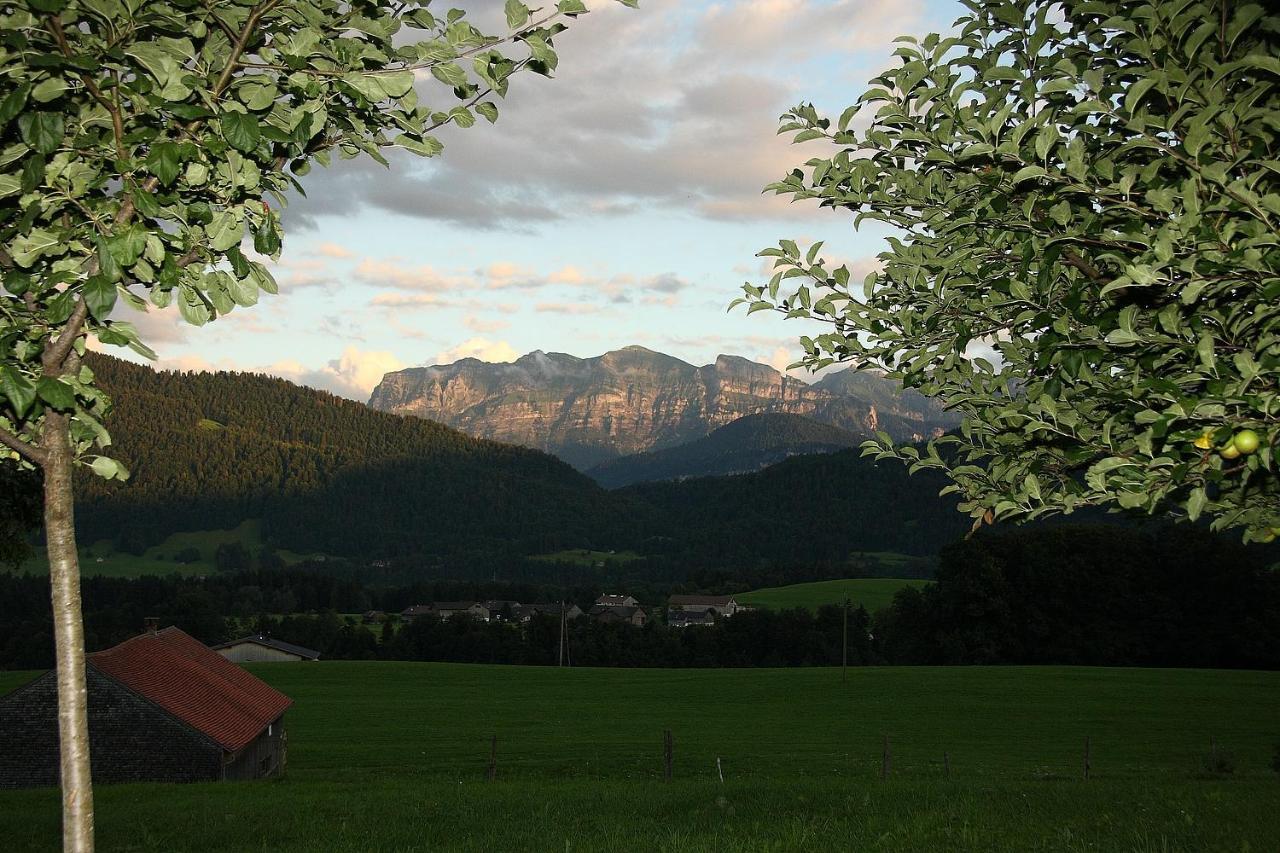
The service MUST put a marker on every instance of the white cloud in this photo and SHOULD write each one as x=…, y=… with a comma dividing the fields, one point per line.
x=481, y=348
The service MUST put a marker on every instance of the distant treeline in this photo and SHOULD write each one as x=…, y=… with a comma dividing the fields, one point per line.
x=1099, y=595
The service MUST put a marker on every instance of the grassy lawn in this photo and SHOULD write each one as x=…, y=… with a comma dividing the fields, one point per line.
x=391, y=756
x=871, y=593
x=101, y=558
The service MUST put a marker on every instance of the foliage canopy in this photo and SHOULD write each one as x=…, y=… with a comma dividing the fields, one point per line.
x=142, y=145
x=1090, y=190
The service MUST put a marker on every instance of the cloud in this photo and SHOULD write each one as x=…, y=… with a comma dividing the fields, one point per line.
x=673, y=107
x=484, y=326
x=481, y=348
x=333, y=250
x=576, y=308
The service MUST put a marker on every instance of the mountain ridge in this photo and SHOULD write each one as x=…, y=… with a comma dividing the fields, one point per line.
x=750, y=443
x=633, y=399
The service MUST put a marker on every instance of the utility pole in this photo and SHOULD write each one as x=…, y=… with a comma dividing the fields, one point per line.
x=561, y=662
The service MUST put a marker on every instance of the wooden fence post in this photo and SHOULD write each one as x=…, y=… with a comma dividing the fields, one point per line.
x=493, y=760
x=668, y=748
x=946, y=763
x=884, y=759
x=1086, y=758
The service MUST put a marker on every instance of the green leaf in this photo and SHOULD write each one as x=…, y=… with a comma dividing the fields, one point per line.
x=19, y=390
x=226, y=230
x=241, y=130
x=100, y=296
x=56, y=394
x=162, y=161
x=571, y=8
x=27, y=248
x=108, y=468
x=41, y=130
x=517, y=14
x=489, y=110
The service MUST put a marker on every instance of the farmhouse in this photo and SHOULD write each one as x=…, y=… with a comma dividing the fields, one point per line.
x=699, y=609
x=447, y=610
x=260, y=648
x=619, y=613
x=163, y=707
x=529, y=611
x=501, y=610
x=616, y=601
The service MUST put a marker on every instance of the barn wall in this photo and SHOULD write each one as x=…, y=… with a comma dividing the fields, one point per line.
x=262, y=758
x=130, y=739
x=254, y=653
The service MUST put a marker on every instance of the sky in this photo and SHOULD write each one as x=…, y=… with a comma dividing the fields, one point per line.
x=617, y=203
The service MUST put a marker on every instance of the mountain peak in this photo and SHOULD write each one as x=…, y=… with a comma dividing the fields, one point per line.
x=634, y=399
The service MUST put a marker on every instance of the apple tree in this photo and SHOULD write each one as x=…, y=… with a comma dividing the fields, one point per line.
x=1085, y=202
x=146, y=149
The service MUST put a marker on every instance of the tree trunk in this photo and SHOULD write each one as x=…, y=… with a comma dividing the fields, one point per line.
x=68, y=633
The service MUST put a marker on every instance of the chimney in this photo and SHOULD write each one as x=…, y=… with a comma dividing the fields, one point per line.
x=151, y=624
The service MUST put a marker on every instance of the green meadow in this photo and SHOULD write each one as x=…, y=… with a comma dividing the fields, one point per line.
x=393, y=756
x=871, y=593
x=101, y=558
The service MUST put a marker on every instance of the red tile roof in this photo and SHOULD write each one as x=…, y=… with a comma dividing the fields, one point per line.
x=195, y=684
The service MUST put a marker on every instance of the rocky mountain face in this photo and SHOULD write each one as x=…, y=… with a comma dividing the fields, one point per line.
x=588, y=410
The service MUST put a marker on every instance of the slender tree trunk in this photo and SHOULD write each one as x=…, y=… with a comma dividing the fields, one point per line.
x=68, y=633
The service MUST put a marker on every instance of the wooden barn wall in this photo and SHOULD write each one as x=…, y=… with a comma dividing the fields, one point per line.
x=130, y=739
x=264, y=757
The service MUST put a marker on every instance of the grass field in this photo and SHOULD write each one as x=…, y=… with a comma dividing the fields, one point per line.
x=871, y=593
x=101, y=558
x=388, y=756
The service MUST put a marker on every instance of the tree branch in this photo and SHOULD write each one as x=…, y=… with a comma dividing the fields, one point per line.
x=55, y=355
x=24, y=449
x=1074, y=260
x=117, y=121
x=241, y=42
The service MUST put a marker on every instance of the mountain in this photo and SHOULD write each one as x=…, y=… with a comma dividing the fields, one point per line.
x=748, y=444
x=588, y=410
x=327, y=475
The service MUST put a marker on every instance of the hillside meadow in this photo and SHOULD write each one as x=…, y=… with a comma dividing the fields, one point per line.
x=871, y=593
x=392, y=756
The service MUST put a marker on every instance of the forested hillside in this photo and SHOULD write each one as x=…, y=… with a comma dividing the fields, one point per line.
x=323, y=473
x=742, y=446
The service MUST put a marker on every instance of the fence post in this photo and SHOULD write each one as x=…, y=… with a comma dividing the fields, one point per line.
x=668, y=747
x=719, y=770
x=884, y=759
x=946, y=763
x=492, y=774
x=1086, y=758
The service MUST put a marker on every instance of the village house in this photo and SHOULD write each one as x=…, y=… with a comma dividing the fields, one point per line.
x=260, y=649
x=373, y=617
x=163, y=707
x=529, y=611
x=619, y=613
x=616, y=601
x=685, y=610
x=447, y=610
x=502, y=610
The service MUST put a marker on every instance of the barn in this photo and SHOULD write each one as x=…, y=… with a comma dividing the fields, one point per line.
x=260, y=648
x=163, y=707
